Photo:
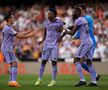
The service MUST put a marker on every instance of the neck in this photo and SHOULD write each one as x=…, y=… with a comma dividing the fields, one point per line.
x=54, y=19
x=81, y=15
x=8, y=23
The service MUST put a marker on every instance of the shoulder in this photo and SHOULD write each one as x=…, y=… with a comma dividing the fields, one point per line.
x=60, y=22
x=88, y=17
x=46, y=22
x=80, y=20
x=5, y=28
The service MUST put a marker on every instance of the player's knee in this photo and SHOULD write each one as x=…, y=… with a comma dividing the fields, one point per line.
x=89, y=62
x=14, y=64
x=54, y=63
x=44, y=62
x=76, y=60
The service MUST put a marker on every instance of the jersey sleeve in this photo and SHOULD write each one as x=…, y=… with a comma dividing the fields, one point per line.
x=79, y=22
x=12, y=32
x=62, y=24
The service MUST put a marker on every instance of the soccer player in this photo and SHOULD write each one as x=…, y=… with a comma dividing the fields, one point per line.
x=91, y=32
x=8, y=34
x=52, y=31
x=85, y=48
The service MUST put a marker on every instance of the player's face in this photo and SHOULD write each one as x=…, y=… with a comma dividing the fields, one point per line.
x=51, y=15
x=74, y=15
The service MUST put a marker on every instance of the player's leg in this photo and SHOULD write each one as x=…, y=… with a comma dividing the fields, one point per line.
x=54, y=73
x=96, y=74
x=42, y=67
x=13, y=71
x=54, y=70
x=92, y=73
x=84, y=65
x=11, y=59
x=41, y=71
x=80, y=53
x=44, y=57
x=54, y=57
x=13, y=75
x=91, y=67
x=79, y=70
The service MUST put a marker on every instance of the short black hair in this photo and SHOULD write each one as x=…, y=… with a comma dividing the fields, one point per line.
x=83, y=6
x=7, y=16
x=53, y=10
x=78, y=10
x=76, y=13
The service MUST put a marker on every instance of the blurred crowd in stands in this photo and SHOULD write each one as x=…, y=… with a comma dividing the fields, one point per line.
x=32, y=17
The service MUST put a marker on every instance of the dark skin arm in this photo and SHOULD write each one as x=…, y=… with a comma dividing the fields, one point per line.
x=60, y=38
x=73, y=31
x=70, y=28
x=44, y=35
x=60, y=29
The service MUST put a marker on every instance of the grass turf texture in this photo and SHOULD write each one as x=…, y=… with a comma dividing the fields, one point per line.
x=64, y=82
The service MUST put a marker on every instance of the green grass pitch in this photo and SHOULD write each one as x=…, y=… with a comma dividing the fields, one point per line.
x=64, y=82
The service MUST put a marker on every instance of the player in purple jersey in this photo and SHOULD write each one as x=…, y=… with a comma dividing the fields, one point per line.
x=91, y=31
x=52, y=31
x=85, y=49
x=8, y=34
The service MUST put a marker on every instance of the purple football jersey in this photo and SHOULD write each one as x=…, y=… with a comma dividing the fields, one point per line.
x=83, y=29
x=8, y=34
x=52, y=34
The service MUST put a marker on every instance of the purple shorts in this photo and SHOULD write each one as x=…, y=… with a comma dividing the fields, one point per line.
x=50, y=52
x=9, y=57
x=84, y=51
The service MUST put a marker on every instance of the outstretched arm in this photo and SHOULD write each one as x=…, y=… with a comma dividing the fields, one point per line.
x=26, y=34
x=61, y=37
x=73, y=31
x=63, y=30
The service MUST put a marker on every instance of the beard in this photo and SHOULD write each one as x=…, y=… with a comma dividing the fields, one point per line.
x=50, y=18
